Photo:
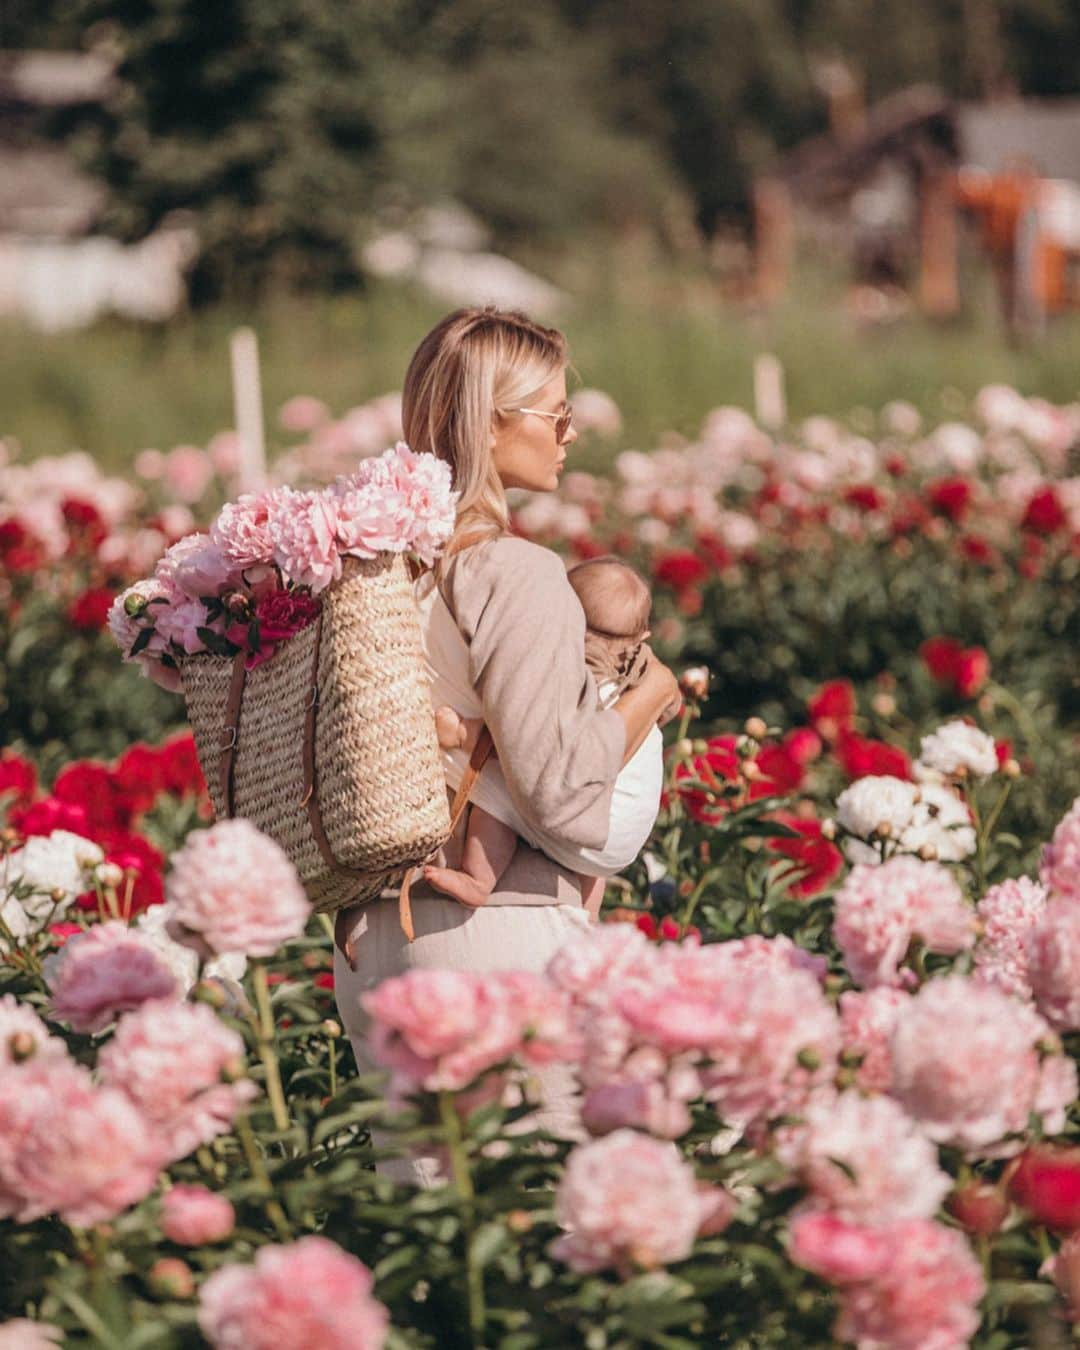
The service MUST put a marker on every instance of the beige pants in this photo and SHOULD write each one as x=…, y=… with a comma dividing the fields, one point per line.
x=535, y=910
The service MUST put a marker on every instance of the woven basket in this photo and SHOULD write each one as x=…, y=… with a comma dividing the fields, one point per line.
x=330, y=746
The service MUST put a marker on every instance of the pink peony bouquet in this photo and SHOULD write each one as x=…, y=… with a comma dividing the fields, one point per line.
x=255, y=579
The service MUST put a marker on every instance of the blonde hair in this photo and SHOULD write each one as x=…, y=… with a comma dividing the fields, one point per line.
x=472, y=369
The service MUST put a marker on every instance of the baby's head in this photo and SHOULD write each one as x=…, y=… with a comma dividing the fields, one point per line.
x=616, y=602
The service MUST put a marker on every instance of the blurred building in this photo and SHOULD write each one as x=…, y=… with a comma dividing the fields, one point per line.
x=891, y=189
x=55, y=272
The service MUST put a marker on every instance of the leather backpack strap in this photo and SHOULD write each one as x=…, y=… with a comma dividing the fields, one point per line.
x=231, y=731
x=481, y=750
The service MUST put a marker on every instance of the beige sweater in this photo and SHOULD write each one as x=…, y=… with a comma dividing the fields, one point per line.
x=559, y=752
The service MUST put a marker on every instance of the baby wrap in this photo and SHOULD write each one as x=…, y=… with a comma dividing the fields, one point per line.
x=636, y=796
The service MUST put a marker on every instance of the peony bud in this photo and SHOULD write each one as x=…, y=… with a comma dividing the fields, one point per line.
x=684, y=748
x=828, y=829
x=928, y=853
x=979, y=1207
x=170, y=1277
x=211, y=993
x=58, y=895
x=1011, y=768
x=519, y=1221
x=809, y=1058
x=331, y=1028
x=109, y=874
x=700, y=747
x=1046, y=1182
x=883, y=830
x=22, y=1046
x=238, y=605
x=883, y=704
x=233, y=1072
x=755, y=727
x=694, y=682
x=134, y=605
x=751, y=770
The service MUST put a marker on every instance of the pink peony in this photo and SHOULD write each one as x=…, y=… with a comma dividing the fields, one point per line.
x=23, y=1034
x=172, y=1060
x=440, y=1029
x=188, y=471
x=546, y=1026
x=241, y=531
x=648, y=1104
x=22, y=1334
x=981, y=1081
x=627, y=1200
x=106, y=971
x=432, y=503
x=303, y=528
x=372, y=516
x=925, y=1297
x=234, y=890
x=879, y=910
x=1054, y=963
x=1059, y=870
x=71, y=1148
x=193, y=1216
x=1009, y=913
x=838, y=1251
x=308, y=1293
x=866, y=1024
x=180, y=624
x=303, y=413
x=143, y=598
x=196, y=566
x=864, y=1159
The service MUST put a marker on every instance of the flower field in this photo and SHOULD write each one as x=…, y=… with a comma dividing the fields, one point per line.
x=826, y=1034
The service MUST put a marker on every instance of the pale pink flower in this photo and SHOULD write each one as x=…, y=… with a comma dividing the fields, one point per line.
x=599, y=957
x=234, y=890
x=626, y=1200
x=303, y=528
x=837, y=1250
x=865, y=1159
x=193, y=1216
x=172, y=1060
x=23, y=1034
x=879, y=910
x=71, y=1148
x=867, y=1019
x=547, y=1028
x=22, y=1334
x=1059, y=870
x=242, y=530
x=966, y=1066
x=432, y=500
x=302, y=413
x=106, y=971
x=1009, y=913
x=925, y=1297
x=307, y=1293
x=224, y=449
x=596, y=411
x=637, y=1104
x=195, y=566
x=180, y=624
x=188, y=472
x=126, y=628
x=440, y=1029
x=372, y=517
x=1054, y=963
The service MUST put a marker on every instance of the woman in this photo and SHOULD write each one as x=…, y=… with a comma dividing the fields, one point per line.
x=486, y=391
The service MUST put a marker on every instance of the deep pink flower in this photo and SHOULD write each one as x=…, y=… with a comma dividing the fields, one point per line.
x=308, y=1293
x=193, y=1216
x=836, y=1249
x=106, y=971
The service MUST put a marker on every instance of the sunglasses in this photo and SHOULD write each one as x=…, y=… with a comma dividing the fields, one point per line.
x=563, y=420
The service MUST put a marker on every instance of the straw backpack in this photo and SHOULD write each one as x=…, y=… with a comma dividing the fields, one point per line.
x=330, y=747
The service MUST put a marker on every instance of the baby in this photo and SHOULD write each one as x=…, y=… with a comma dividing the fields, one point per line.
x=616, y=602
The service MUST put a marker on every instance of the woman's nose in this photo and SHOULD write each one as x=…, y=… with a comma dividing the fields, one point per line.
x=571, y=435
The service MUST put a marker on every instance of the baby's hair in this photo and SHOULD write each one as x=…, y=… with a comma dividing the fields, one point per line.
x=614, y=596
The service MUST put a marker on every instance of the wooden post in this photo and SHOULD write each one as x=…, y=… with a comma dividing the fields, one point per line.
x=773, y=238
x=939, y=290
x=248, y=410
x=770, y=406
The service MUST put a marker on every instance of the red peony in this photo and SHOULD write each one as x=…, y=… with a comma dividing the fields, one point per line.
x=705, y=776
x=180, y=771
x=89, y=611
x=972, y=671
x=976, y=549
x=832, y=708
x=50, y=814
x=861, y=757
x=865, y=497
x=951, y=497
x=964, y=669
x=1044, y=513
x=1047, y=1184
x=93, y=786
x=138, y=776
x=819, y=862
x=86, y=526
x=939, y=655
x=680, y=570
x=715, y=550
x=17, y=777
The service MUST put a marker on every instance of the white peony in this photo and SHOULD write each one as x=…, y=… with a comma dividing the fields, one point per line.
x=57, y=862
x=182, y=961
x=942, y=822
x=957, y=748
x=874, y=802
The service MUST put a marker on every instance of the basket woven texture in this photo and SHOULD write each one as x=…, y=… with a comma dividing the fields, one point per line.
x=378, y=779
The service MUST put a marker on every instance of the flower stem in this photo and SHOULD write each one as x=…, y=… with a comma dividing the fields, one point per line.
x=459, y=1164
x=257, y=1168
x=264, y=1036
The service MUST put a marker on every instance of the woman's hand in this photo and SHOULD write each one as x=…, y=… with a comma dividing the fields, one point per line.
x=652, y=702
x=665, y=679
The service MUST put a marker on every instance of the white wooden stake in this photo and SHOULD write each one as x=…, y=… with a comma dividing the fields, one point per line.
x=248, y=410
x=769, y=403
